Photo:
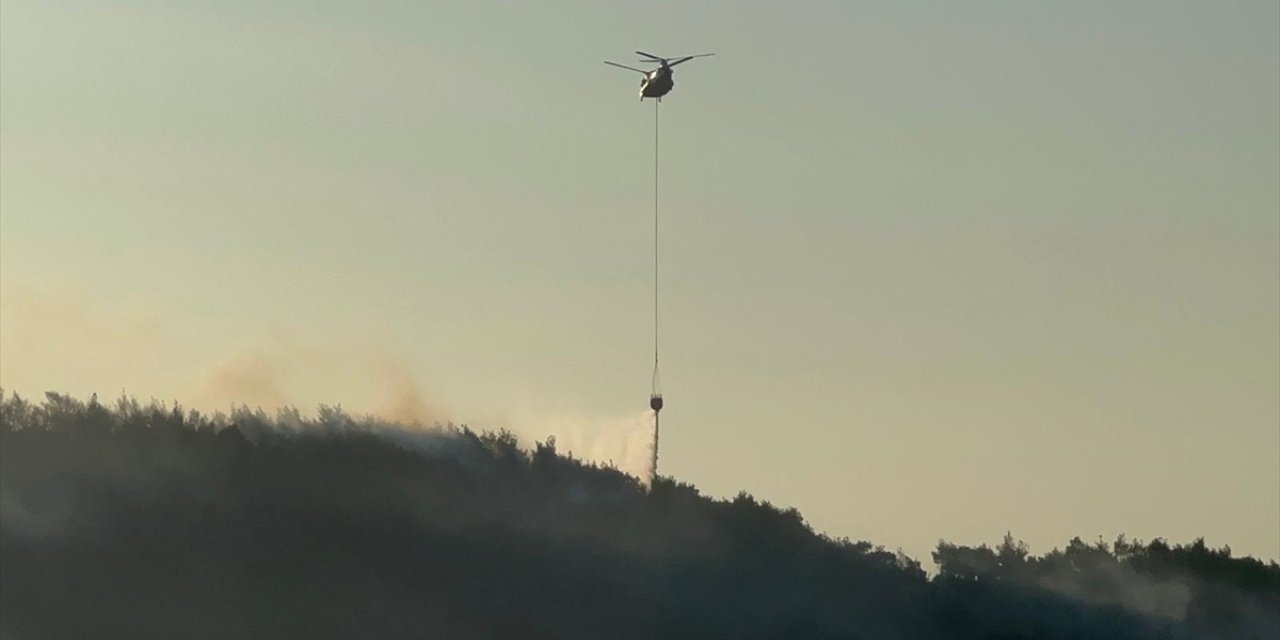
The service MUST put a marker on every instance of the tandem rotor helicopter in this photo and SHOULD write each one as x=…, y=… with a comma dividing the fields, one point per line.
x=658, y=83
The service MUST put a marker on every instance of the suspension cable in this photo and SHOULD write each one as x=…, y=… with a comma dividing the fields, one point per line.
x=655, y=398
x=655, y=247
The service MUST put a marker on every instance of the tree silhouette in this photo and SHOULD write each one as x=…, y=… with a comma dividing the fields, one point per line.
x=147, y=520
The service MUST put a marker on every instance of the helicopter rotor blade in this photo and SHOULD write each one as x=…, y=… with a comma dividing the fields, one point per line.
x=683, y=59
x=650, y=55
x=623, y=66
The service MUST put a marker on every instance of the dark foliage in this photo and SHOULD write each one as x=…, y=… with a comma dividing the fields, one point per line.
x=145, y=522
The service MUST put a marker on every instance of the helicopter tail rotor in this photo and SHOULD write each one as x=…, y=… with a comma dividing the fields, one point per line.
x=670, y=62
x=683, y=59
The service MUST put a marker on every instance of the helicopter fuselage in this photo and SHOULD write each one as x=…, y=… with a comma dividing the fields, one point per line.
x=656, y=83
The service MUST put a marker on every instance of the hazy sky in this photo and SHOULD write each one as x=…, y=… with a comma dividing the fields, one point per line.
x=930, y=270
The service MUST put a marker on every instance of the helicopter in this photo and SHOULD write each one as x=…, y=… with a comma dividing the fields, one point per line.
x=658, y=83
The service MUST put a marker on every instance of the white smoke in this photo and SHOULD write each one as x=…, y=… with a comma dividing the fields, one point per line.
x=622, y=441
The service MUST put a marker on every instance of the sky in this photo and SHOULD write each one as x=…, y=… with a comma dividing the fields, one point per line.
x=928, y=269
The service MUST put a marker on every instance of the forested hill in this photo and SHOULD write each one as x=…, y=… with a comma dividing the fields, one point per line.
x=135, y=521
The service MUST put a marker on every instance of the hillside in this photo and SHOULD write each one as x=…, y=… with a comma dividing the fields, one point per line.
x=131, y=520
